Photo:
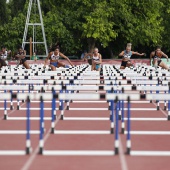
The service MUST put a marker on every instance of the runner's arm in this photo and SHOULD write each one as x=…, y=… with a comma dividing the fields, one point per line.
x=46, y=60
x=121, y=54
x=65, y=57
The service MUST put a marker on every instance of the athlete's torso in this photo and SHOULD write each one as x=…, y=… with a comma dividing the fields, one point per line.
x=55, y=57
x=127, y=55
x=4, y=55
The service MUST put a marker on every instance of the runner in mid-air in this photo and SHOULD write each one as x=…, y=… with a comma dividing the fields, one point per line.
x=54, y=57
x=126, y=54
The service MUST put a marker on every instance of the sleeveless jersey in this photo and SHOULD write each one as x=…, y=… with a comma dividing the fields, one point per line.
x=96, y=58
x=4, y=55
x=156, y=56
x=127, y=55
x=53, y=57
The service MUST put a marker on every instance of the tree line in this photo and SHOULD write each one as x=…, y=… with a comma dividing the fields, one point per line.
x=78, y=25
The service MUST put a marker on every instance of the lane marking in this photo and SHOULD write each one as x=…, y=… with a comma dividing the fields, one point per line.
x=122, y=157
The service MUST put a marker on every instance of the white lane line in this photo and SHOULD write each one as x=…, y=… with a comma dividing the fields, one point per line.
x=124, y=165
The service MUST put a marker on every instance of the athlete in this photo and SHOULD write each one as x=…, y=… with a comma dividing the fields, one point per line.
x=54, y=57
x=155, y=58
x=21, y=58
x=3, y=56
x=96, y=59
x=126, y=54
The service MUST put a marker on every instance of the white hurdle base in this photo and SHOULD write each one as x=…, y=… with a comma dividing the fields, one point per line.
x=78, y=153
x=83, y=132
x=12, y=152
x=146, y=119
x=86, y=118
x=25, y=118
x=150, y=153
x=20, y=132
x=149, y=132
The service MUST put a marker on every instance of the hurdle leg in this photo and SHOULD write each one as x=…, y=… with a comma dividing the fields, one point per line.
x=157, y=100
x=112, y=117
x=123, y=122
x=41, y=141
x=11, y=106
x=120, y=116
x=18, y=103
x=28, y=141
x=5, y=110
x=150, y=93
x=128, y=142
x=165, y=103
x=117, y=131
x=23, y=92
x=157, y=107
x=52, y=114
x=68, y=102
x=168, y=109
x=62, y=110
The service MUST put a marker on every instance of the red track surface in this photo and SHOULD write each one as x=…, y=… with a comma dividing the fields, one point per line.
x=34, y=161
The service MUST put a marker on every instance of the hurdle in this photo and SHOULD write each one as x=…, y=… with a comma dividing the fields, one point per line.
x=129, y=132
x=28, y=149
x=50, y=96
x=93, y=97
x=25, y=88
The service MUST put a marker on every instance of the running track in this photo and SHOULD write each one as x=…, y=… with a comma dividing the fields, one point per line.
x=34, y=161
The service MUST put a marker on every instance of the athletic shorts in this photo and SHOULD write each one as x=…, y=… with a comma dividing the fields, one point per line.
x=2, y=63
x=97, y=66
x=159, y=61
x=55, y=64
x=23, y=60
x=124, y=63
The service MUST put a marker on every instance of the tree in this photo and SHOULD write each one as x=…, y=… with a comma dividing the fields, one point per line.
x=3, y=12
